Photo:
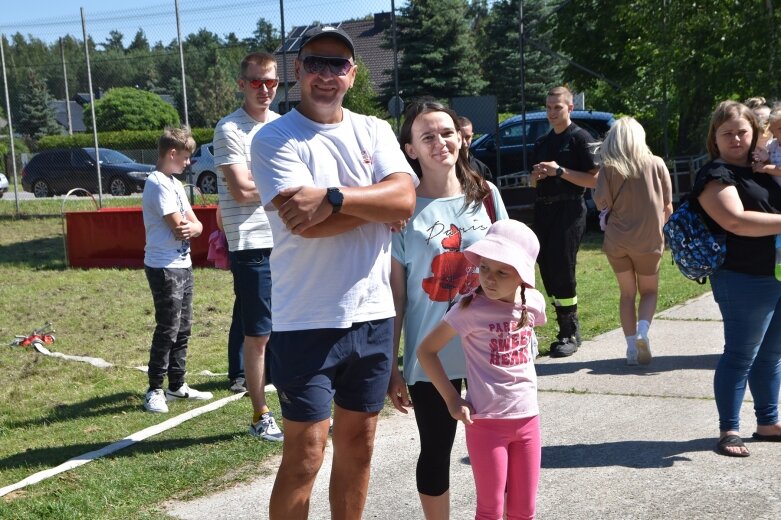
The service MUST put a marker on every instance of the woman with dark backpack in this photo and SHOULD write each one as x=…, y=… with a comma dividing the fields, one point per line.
x=633, y=188
x=744, y=205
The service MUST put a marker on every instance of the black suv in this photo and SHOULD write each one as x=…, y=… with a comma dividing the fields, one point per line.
x=511, y=137
x=54, y=172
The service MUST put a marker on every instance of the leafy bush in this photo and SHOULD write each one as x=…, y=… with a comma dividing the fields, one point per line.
x=5, y=155
x=127, y=108
x=124, y=140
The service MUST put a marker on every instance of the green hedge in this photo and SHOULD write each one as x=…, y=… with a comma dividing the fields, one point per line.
x=124, y=140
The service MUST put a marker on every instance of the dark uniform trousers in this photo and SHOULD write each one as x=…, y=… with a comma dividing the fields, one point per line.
x=559, y=225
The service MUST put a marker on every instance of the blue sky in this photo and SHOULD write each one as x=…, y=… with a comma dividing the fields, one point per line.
x=50, y=19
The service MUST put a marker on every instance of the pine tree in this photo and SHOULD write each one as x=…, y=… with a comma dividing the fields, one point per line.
x=215, y=97
x=265, y=37
x=500, y=48
x=36, y=118
x=437, y=49
x=362, y=98
x=140, y=42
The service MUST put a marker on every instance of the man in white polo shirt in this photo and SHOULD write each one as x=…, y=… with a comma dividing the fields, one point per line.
x=247, y=228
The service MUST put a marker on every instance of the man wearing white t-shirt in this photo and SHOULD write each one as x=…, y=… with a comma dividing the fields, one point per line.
x=247, y=228
x=332, y=180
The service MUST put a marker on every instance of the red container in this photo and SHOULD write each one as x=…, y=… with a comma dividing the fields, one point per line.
x=115, y=237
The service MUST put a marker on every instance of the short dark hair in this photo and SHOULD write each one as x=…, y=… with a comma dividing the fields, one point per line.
x=562, y=91
x=262, y=59
x=179, y=138
x=464, y=121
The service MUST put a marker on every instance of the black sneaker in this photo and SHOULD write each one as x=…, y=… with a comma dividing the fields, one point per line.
x=563, y=347
x=238, y=385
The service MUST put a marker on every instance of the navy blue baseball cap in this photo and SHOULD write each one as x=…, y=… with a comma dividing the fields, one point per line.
x=324, y=31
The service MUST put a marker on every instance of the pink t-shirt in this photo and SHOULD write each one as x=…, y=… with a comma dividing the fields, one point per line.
x=500, y=371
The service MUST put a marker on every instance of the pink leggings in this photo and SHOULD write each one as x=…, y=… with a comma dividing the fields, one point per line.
x=505, y=456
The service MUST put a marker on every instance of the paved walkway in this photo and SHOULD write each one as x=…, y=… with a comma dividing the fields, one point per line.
x=618, y=442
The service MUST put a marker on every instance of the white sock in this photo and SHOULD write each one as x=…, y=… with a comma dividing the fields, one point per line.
x=630, y=342
x=642, y=327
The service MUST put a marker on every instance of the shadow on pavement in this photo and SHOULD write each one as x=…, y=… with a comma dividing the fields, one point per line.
x=617, y=366
x=630, y=454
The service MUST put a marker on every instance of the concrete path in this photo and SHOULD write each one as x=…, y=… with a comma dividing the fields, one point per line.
x=618, y=442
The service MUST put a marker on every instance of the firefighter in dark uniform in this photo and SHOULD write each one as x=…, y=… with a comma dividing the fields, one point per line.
x=563, y=168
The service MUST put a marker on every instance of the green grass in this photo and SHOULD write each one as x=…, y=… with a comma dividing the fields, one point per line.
x=52, y=410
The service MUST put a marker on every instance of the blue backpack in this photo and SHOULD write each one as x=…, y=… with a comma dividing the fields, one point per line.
x=696, y=251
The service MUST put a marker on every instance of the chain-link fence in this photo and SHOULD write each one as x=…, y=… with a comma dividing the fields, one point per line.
x=48, y=73
x=180, y=57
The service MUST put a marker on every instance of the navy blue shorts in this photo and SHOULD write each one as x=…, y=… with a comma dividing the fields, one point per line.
x=252, y=286
x=349, y=366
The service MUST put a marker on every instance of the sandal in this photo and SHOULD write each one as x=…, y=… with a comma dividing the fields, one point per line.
x=767, y=438
x=731, y=441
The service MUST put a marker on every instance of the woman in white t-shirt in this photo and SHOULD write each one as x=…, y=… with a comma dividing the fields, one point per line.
x=428, y=274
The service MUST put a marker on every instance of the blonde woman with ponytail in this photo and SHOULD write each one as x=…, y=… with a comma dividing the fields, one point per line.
x=634, y=186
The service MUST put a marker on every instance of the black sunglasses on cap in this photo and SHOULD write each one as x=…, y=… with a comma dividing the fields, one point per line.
x=317, y=64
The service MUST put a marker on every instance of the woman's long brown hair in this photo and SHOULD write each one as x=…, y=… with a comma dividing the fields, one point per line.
x=472, y=184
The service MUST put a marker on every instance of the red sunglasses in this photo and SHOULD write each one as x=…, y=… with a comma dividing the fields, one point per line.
x=256, y=83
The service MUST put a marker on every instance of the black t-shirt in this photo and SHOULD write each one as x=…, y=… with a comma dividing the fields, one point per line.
x=757, y=192
x=480, y=167
x=570, y=149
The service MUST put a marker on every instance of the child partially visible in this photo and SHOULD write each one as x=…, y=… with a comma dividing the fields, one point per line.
x=500, y=410
x=768, y=159
x=170, y=223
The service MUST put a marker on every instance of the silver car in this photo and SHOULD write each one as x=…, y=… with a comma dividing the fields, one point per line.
x=203, y=170
x=3, y=185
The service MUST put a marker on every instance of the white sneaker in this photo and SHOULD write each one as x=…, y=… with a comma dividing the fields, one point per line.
x=643, y=349
x=631, y=356
x=155, y=401
x=266, y=428
x=185, y=392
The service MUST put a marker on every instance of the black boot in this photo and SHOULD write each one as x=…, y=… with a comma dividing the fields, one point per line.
x=568, y=338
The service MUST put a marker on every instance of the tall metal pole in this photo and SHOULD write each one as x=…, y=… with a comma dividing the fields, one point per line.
x=284, y=52
x=184, y=96
x=10, y=124
x=395, y=67
x=523, y=86
x=181, y=64
x=65, y=81
x=92, y=110
x=665, y=64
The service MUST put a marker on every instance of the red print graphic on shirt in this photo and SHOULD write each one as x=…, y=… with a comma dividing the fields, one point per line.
x=452, y=273
x=509, y=346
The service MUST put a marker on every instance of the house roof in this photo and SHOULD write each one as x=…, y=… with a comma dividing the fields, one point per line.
x=61, y=114
x=368, y=37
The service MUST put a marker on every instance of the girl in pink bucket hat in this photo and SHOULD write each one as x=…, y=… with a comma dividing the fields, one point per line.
x=500, y=409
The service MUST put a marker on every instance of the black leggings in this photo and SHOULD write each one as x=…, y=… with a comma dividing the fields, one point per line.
x=437, y=432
